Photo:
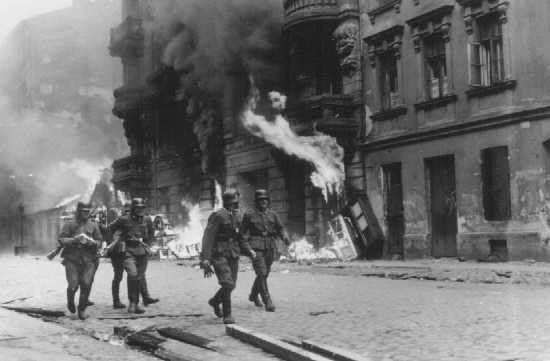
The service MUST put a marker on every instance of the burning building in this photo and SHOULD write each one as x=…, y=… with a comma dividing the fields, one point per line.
x=187, y=107
x=432, y=115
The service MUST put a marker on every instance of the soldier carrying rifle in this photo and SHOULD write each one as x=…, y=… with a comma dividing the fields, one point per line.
x=136, y=234
x=80, y=240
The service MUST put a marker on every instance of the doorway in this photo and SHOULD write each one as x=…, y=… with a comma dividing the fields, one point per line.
x=442, y=191
x=393, y=196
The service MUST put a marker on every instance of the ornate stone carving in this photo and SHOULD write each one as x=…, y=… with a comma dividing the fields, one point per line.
x=347, y=47
x=435, y=21
x=474, y=9
x=389, y=39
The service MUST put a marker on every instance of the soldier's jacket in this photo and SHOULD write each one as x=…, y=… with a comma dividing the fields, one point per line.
x=262, y=229
x=131, y=229
x=221, y=236
x=78, y=252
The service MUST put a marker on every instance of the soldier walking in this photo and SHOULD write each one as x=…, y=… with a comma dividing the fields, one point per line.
x=136, y=234
x=81, y=239
x=116, y=254
x=221, y=247
x=261, y=227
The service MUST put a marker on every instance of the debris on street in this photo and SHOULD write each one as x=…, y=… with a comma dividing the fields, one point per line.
x=34, y=311
x=187, y=337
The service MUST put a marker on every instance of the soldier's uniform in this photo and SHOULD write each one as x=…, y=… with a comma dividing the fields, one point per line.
x=221, y=247
x=262, y=229
x=136, y=232
x=79, y=259
x=117, y=261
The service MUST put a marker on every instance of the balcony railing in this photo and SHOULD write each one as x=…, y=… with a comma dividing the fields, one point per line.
x=128, y=99
x=298, y=10
x=331, y=114
x=127, y=39
x=130, y=170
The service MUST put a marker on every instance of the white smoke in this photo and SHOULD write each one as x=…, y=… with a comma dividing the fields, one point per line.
x=321, y=150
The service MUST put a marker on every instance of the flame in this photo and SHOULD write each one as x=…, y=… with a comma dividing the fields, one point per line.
x=320, y=150
x=189, y=238
x=302, y=250
x=218, y=202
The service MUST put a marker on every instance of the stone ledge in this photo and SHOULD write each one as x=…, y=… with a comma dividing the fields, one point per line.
x=482, y=91
x=436, y=103
x=389, y=114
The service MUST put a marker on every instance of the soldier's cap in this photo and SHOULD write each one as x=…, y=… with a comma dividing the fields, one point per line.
x=261, y=194
x=81, y=206
x=138, y=203
x=230, y=197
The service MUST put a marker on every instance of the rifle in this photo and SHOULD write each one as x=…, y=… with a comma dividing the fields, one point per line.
x=52, y=254
x=62, y=241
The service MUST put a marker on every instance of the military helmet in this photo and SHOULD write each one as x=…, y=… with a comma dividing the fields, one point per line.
x=137, y=203
x=230, y=197
x=261, y=194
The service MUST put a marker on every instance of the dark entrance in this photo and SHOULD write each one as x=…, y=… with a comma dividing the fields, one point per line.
x=296, y=184
x=393, y=195
x=442, y=191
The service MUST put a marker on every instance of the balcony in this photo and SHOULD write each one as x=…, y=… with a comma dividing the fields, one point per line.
x=130, y=173
x=127, y=39
x=331, y=114
x=128, y=100
x=297, y=11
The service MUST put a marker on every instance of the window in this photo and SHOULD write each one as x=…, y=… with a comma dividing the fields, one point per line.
x=495, y=172
x=389, y=85
x=486, y=52
x=436, y=66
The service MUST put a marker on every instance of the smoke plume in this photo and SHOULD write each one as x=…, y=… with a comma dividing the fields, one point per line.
x=321, y=150
x=215, y=45
x=57, y=131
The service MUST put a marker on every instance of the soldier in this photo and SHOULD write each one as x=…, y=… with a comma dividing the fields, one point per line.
x=221, y=247
x=261, y=227
x=81, y=239
x=136, y=234
x=116, y=254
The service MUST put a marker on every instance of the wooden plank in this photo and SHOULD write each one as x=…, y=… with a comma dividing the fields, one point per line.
x=36, y=311
x=332, y=352
x=272, y=345
x=187, y=337
x=144, y=341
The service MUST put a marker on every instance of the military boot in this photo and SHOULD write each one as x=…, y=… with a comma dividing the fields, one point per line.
x=215, y=301
x=115, y=291
x=82, y=315
x=147, y=299
x=226, y=303
x=266, y=297
x=133, y=296
x=254, y=294
x=70, y=300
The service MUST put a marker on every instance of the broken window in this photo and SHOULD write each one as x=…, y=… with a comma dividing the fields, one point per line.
x=436, y=66
x=486, y=52
x=495, y=172
x=389, y=86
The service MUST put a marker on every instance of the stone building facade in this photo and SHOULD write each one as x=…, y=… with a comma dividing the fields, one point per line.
x=456, y=163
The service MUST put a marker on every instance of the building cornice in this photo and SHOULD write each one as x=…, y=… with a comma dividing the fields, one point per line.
x=457, y=128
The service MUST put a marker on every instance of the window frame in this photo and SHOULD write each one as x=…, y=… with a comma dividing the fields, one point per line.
x=495, y=186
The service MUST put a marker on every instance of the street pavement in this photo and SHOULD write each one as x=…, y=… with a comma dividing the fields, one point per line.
x=335, y=304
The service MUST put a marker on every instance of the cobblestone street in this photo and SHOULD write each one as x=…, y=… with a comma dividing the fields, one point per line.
x=378, y=318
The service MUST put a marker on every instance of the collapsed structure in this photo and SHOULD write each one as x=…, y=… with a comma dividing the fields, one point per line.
x=439, y=107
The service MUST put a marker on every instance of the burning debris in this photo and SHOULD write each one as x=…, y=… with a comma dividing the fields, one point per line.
x=187, y=243
x=322, y=151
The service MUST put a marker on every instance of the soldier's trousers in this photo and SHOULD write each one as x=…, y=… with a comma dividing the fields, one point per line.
x=80, y=274
x=117, y=261
x=226, y=270
x=135, y=267
x=262, y=267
